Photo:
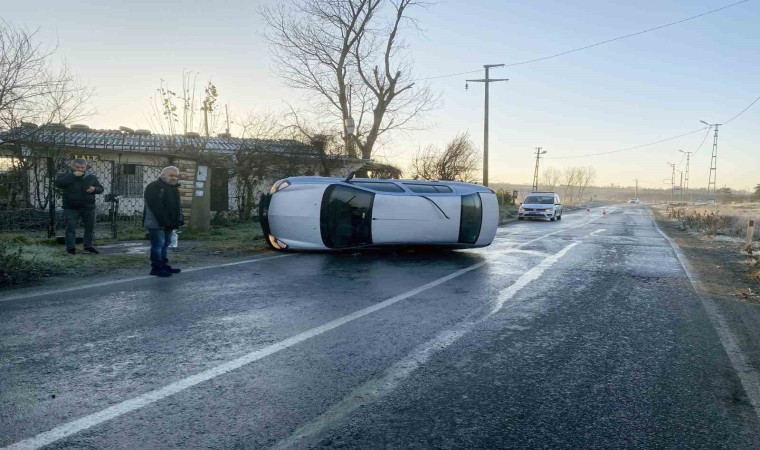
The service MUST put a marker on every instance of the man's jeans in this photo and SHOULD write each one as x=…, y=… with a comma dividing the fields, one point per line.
x=72, y=220
x=159, y=242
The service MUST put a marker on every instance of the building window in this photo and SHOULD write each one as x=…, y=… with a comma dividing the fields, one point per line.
x=129, y=180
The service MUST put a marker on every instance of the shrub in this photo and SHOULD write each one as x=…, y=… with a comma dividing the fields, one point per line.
x=14, y=268
x=708, y=222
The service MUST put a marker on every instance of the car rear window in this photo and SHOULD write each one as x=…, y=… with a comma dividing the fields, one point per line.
x=428, y=188
x=378, y=186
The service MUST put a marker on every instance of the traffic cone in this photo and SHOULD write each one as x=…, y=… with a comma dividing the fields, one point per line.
x=588, y=209
x=604, y=212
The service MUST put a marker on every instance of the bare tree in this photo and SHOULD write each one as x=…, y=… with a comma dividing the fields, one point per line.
x=347, y=55
x=31, y=89
x=576, y=181
x=586, y=176
x=550, y=179
x=570, y=179
x=189, y=111
x=459, y=161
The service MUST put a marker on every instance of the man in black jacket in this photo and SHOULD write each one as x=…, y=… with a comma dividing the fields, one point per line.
x=161, y=216
x=79, y=187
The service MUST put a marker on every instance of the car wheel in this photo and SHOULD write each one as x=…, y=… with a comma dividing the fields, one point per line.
x=553, y=218
x=520, y=218
x=559, y=217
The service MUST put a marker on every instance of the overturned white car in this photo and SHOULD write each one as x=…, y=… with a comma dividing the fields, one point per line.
x=320, y=213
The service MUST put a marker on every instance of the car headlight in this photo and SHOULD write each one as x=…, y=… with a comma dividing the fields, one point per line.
x=548, y=210
x=280, y=185
x=276, y=243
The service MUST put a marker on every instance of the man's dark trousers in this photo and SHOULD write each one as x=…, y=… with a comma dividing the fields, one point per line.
x=72, y=219
x=159, y=242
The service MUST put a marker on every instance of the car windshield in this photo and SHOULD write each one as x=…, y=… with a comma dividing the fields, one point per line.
x=540, y=200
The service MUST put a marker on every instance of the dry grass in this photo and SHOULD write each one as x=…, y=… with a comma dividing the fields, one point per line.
x=729, y=220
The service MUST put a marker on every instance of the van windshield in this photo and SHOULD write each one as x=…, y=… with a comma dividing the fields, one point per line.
x=539, y=200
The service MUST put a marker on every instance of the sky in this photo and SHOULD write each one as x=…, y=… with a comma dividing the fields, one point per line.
x=618, y=95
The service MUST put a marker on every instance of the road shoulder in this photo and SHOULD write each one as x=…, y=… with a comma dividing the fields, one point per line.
x=725, y=277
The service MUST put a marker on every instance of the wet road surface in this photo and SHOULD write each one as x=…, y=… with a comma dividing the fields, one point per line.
x=582, y=333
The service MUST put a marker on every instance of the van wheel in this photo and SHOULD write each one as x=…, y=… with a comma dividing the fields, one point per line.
x=559, y=217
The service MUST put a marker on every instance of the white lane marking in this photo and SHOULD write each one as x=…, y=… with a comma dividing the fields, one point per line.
x=527, y=278
x=597, y=231
x=128, y=280
x=560, y=231
x=402, y=369
x=749, y=377
x=153, y=396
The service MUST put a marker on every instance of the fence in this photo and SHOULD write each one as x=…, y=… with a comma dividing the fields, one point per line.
x=29, y=201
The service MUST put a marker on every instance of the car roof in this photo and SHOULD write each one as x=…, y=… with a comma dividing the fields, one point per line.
x=459, y=187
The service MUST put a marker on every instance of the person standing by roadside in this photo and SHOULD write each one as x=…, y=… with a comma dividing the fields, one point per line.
x=79, y=187
x=161, y=216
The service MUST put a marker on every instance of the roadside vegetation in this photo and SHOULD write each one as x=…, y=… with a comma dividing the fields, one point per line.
x=720, y=220
x=26, y=259
x=713, y=238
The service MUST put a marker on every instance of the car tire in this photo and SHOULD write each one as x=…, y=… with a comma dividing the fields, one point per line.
x=553, y=218
x=520, y=218
x=559, y=217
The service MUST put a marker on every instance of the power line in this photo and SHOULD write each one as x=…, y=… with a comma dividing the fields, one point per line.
x=595, y=44
x=743, y=111
x=703, y=142
x=631, y=148
x=708, y=128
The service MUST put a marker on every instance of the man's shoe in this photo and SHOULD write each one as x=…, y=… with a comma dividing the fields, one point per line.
x=160, y=272
x=91, y=250
x=71, y=251
x=171, y=269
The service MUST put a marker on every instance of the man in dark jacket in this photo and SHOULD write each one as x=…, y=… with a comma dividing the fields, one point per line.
x=79, y=187
x=161, y=216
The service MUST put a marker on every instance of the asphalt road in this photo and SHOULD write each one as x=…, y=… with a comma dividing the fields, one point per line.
x=582, y=333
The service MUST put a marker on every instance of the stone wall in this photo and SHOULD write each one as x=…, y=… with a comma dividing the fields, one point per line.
x=187, y=171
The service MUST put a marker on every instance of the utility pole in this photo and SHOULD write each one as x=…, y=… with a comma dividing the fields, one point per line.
x=711, y=187
x=227, y=111
x=686, y=175
x=487, y=80
x=681, y=185
x=672, y=181
x=535, y=174
x=637, y=188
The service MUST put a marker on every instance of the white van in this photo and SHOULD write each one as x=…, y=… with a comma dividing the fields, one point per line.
x=320, y=213
x=540, y=205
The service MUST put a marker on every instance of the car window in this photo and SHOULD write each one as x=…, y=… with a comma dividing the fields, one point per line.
x=540, y=199
x=426, y=188
x=471, y=218
x=443, y=189
x=379, y=186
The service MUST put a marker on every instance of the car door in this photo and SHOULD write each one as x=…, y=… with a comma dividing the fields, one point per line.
x=416, y=219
